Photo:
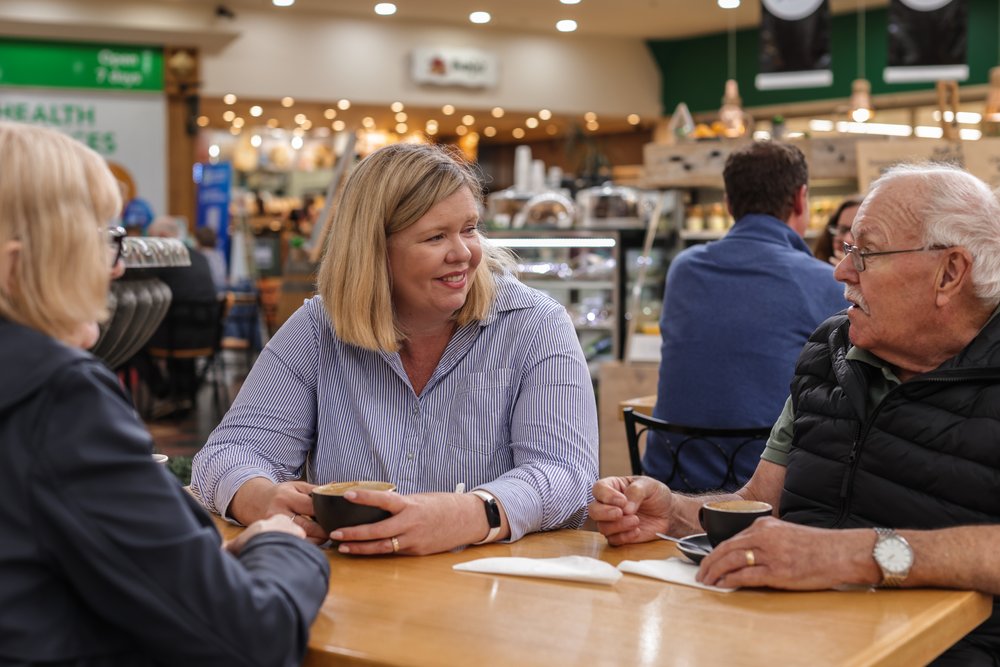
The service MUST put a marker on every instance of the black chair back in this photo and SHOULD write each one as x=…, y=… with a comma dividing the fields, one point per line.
x=636, y=424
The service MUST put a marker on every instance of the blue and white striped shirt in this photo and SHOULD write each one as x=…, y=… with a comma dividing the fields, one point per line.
x=509, y=409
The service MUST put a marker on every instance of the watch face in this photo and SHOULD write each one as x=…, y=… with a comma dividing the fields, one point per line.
x=893, y=555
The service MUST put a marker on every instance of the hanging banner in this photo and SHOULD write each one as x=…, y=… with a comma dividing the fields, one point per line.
x=794, y=45
x=214, y=182
x=927, y=41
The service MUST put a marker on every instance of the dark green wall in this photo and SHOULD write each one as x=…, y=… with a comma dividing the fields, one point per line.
x=693, y=70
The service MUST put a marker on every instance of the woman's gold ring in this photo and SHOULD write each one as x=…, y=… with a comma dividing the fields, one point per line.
x=751, y=560
x=395, y=545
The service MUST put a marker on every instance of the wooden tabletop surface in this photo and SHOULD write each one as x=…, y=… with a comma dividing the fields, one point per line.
x=417, y=611
x=641, y=404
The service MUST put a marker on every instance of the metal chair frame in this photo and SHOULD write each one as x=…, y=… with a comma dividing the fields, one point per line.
x=637, y=423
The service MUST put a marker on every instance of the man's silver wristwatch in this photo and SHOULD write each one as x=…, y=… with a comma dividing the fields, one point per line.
x=893, y=555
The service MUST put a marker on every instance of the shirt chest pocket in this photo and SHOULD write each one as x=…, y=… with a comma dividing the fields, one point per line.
x=479, y=418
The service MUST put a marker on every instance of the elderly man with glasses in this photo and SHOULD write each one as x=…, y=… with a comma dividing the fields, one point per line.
x=891, y=435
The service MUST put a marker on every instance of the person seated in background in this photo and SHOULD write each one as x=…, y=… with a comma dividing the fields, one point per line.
x=736, y=313
x=829, y=246
x=104, y=558
x=206, y=240
x=190, y=323
x=892, y=422
x=422, y=362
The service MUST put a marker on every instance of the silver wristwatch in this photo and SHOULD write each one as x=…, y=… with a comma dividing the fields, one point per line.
x=893, y=555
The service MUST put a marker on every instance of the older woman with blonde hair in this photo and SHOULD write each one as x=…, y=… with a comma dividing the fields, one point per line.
x=422, y=362
x=104, y=558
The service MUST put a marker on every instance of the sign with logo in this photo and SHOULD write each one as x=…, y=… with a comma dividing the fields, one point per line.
x=128, y=129
x=58, y=65
x=794, y=45
x=214, y=181
x=928, y=40
x=455, y=67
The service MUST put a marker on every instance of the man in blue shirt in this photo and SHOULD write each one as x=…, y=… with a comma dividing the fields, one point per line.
x=736, y=314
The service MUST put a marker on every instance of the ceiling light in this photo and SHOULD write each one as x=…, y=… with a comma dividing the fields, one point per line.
x=401, y=128
x=307, y=124
x=431, y=127
x=731, y=115
x=238, y=122
x=593, y=126
x=229, y=98
x=531, y=122
x=461, y=130
x=729, y=4
x=468, y=119
x=396, y=107
x=213, y=150
x=490, y=131
x=272, y=123
x=861, y=101
x=256, y=141
x=283, y=3
x=228, y=116
x=497, y=112
x=368, y=122
x=338, y=125
x=566, y=25
x=287, y=101
x=202, y=121
x=296, y=143
x=401, y=117
x=234, y=130
x=518, y=133
x=551, y=129
x=545, y=114
x=590, y=116
x=330, y=114
x=300, y=118
x=570, y=2
x=480, y=17
x=633, y=119
x=344, y=105
x=256, y=111
x=447, y=110
x=821, y=125
x=385, y=9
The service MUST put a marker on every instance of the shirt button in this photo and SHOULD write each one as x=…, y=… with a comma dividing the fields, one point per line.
x=416, y=410
x=409, y=457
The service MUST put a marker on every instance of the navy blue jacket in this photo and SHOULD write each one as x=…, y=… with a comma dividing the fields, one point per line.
x=104, y=558
x=736, y=314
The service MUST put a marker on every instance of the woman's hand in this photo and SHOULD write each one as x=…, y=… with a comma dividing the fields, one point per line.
x=631, y=509
x=261, y=498
x=422, y=523
x=279, y=523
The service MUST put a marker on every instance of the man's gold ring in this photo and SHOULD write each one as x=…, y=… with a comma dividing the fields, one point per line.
x=395, y=545
x=751, y=560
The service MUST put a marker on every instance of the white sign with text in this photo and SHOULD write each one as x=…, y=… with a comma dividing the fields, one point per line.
x=128, y=129
x=446, y=66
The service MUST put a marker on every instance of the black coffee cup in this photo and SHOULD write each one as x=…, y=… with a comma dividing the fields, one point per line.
x=722, y=519
x=334, y=511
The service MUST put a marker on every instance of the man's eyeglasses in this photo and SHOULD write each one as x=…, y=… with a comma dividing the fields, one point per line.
x=858, y=256
x=115, y=239
x=836, y=230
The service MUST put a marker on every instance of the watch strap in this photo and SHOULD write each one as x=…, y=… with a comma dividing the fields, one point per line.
x=890, y=579
x=492, y=515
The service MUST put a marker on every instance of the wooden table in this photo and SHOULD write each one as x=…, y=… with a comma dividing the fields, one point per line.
x=418, y=611
x=641, y=404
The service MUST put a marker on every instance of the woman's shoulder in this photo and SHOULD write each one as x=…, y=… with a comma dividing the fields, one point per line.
x=517, y=299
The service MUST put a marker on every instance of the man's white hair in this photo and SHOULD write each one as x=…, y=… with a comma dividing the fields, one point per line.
x=956, y=209
x=165, y=227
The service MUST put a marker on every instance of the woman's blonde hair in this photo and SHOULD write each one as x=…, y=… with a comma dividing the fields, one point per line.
x=56, y=199
x=390, y=190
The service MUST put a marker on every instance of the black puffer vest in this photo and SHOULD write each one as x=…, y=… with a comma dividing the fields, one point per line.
x=928, y=456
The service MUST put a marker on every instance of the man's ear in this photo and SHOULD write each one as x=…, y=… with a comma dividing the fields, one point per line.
x=801, y=202
x=10, y=255
x=953, y=275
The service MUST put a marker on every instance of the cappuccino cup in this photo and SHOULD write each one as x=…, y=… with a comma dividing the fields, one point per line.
x=334, y=511
x=722, y=519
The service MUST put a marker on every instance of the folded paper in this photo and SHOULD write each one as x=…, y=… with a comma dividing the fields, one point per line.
x=674, y=570
x=570, y=568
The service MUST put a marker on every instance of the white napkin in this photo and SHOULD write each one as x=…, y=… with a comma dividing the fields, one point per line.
x=674, y=570
x=572, y=568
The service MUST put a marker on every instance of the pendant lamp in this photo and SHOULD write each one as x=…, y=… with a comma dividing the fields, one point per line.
x=731, y=115
x=861, y=108
x=990, y=125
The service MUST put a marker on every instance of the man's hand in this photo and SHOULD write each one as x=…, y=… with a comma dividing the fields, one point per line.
x=631, y=509
x=779, y=554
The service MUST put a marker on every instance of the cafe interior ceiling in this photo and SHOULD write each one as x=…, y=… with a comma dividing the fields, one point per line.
x=620, y=18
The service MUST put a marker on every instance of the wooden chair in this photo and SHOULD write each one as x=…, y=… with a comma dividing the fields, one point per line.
x=192, y=332
x=691, y=436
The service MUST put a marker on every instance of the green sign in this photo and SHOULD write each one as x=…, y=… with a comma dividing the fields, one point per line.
x=59, y=65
